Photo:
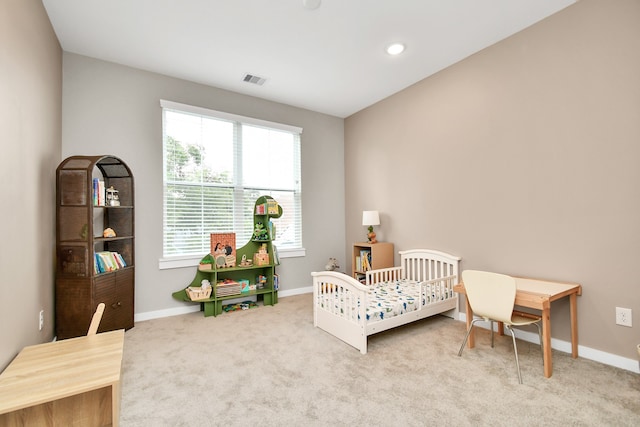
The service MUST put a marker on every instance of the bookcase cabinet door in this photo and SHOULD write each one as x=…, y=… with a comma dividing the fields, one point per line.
x=116, y=292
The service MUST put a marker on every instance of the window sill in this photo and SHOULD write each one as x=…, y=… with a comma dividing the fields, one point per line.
x=193, y=261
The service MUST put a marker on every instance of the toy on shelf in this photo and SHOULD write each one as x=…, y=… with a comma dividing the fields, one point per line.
x=262, y=256
x=260, y=232
x=246, y=262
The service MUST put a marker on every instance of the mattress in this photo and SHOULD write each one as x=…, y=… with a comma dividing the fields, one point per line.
x=389, y=299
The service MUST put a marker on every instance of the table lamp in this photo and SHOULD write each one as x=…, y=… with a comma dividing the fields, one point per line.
x=371, y=218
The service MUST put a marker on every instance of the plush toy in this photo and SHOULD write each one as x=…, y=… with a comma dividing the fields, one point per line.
x=260, y=232
x=332, y=265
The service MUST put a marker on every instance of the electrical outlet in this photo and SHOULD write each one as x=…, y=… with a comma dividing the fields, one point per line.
x=41, y=319
x=623, y=316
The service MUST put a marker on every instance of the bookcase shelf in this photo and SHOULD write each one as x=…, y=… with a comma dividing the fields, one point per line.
x=379, y=255
x=80, y=286
x=212, y=306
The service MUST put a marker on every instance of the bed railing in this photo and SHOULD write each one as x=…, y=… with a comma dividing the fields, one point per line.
x=383, y=275
x=436, y=290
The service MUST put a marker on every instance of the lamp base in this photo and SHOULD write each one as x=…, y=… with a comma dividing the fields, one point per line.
x=372, y=237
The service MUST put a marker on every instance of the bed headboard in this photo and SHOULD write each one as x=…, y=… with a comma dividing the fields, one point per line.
x=427, y=264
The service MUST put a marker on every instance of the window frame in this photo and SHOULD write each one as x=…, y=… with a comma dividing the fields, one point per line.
x=178, y=261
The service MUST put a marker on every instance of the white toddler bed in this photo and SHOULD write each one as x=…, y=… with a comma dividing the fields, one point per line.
x=420, y=287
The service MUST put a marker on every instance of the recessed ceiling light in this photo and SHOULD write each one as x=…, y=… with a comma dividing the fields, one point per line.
x=395, y=48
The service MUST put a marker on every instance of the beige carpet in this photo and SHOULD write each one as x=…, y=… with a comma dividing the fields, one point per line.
x=270, y=366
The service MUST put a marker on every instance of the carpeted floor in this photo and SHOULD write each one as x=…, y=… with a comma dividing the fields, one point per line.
x=269, y=366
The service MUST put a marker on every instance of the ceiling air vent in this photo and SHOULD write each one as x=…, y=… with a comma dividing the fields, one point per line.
x=249, y=78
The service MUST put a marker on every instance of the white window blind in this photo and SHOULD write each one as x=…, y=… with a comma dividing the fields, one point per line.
x=215, y=167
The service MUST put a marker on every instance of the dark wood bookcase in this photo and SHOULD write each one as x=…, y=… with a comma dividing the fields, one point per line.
x=80, y=223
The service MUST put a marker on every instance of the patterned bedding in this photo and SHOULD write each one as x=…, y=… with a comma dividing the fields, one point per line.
x=389, y=299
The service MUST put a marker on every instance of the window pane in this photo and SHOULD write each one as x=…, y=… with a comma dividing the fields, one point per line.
x=267, y=158
x=192, y=212
x=198, y=149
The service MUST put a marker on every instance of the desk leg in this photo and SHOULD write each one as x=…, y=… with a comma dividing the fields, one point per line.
x=471, y=341
x=574, y=324
x=546, y=339
x=116, y=396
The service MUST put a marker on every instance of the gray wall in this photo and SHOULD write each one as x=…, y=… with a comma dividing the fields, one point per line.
x=521, y=159
x=112, y=109
x=30, y=119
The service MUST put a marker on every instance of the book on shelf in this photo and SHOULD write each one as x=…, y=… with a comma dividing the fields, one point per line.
x=228, y=287
x=106, y=261
x=223, y=249
x=272, y=207
x=365, y=260
x=98, y=192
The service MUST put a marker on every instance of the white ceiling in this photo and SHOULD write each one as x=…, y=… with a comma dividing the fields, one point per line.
x=330, y=60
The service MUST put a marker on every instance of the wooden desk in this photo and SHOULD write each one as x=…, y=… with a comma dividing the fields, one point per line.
x=539, y=294
x=68, y=382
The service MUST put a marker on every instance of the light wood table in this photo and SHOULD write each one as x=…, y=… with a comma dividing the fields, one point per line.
x=538, y=294
x=68, y=382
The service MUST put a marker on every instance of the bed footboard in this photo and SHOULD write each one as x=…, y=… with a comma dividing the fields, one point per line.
x=339, y=307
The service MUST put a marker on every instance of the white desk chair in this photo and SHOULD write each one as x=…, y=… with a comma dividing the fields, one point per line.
x=492, y=297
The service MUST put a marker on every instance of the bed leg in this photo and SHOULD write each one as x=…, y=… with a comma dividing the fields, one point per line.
x=363, y=346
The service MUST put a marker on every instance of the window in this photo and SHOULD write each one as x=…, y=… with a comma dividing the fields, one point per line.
x=215, y=166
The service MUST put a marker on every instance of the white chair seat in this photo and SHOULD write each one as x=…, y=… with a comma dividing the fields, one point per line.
x=518, y=320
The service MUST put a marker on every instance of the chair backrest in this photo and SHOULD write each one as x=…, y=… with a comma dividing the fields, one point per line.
x=491, y=295
x=95, y=320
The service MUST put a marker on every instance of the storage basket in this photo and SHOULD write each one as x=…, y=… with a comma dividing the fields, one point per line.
x=197, y=294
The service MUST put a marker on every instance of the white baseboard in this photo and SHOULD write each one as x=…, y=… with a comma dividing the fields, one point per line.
x=556, y=344
x=149, y=315
x=584, y=352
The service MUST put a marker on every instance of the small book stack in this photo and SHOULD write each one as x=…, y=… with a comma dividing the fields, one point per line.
x=363, y=262
x=228, y=287
x=98, y=192
x=106, y=261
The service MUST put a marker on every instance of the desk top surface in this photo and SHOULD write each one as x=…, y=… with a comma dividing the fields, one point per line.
x=50, y=371
x=544, y=287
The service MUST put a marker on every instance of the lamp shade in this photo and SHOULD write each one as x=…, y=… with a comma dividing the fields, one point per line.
x=370, y=218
